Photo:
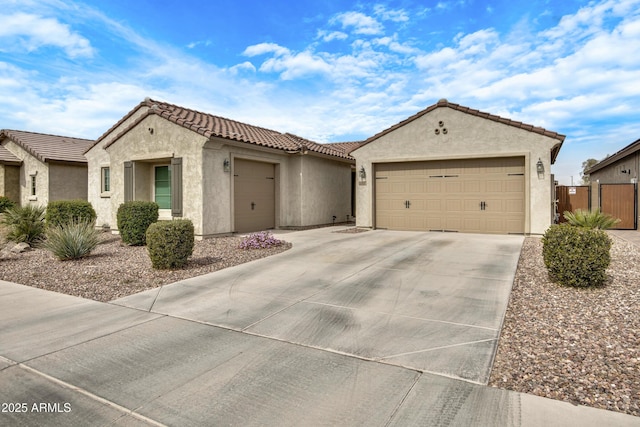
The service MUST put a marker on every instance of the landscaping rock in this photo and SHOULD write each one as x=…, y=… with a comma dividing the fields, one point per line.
x=21, y=247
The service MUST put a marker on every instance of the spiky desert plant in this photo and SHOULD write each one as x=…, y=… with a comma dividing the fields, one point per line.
x=590, y=219
x=25, y=224
x=73, y=240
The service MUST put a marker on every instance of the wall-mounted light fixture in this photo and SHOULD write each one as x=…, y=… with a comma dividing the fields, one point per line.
x=226, y=165
x=363, y=175
x=540, y=168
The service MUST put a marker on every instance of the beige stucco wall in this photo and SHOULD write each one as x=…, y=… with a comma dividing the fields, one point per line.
x=145, y=149
x=97, y=158
x=10, y=182
x=218, y=185
x=31, y=166
x=67, y=181
x=309, y=189
x=326, y=190
x=467, y=136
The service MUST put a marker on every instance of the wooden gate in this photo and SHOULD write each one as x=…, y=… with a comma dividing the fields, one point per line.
x=619, y=201
x=572, y=198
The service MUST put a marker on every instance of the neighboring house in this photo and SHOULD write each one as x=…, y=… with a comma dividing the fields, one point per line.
x=614, y=183
x=224, y=175
x=452, y=168
x=37, y=168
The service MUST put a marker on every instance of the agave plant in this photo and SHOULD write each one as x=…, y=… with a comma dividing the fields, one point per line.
x=590, y=219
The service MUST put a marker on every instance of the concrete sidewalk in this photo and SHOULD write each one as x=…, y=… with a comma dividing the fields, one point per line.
x=174, y=356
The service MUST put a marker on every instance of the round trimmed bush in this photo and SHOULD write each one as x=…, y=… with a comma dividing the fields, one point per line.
x=576, y=256
x=63, y=212
x=134, y=218
x=170, y=243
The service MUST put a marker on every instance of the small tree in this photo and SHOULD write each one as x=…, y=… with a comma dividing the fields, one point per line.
x=586, y=165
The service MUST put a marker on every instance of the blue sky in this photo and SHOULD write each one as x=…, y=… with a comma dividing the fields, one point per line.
x=330, y=70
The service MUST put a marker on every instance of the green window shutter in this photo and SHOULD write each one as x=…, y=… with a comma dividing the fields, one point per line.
x=128, y=181
x=162, y=194
x=176, y=186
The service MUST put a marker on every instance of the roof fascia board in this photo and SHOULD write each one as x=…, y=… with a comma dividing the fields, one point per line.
x=626, y=151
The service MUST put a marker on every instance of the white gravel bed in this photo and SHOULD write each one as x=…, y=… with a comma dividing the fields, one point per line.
x=577, y=345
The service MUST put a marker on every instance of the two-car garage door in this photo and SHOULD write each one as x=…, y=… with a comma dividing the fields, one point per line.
x=470, y=195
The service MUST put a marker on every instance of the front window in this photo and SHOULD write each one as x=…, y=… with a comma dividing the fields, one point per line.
x=106, y=180
x=162, y=191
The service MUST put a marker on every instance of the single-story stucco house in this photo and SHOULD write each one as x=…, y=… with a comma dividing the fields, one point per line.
x=614, y=185
x=224, y=175
x=452, y=168
x=37, y=168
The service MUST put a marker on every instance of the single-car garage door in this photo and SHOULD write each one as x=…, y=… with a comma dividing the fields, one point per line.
x=470, y=195
x=254, y=195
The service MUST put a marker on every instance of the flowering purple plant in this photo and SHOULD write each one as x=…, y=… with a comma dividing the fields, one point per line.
x=261, y=240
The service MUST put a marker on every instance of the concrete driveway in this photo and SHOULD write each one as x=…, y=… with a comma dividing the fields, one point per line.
x=376, y=328
x=428, y=301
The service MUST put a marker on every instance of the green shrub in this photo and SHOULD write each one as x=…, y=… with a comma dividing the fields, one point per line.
x=25, y=224
x=133, y=220
x=170, y=243
x=576, y=256
x=75, y=239
x=590, y=219
x=61, y=212
x=6, y=203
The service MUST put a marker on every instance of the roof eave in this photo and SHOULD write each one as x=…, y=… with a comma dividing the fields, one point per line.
x=626, y=151
x=443, y=103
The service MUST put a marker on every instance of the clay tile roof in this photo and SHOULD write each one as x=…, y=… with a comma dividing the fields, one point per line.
x=209, y=126
x=443, y=103
x=7, y=157
x=50, y=147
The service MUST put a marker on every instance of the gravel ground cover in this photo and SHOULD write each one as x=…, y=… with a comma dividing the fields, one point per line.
x=115, y=270
x=576, y=345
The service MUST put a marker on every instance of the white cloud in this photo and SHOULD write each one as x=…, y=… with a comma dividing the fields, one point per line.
x=328, y=36
x=391, y=15
x=361, y=23
x=32, y=32
x=264, y=48
x=294, y=66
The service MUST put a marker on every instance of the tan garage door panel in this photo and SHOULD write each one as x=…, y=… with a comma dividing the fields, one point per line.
x=254, y=195
x=474, y=195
